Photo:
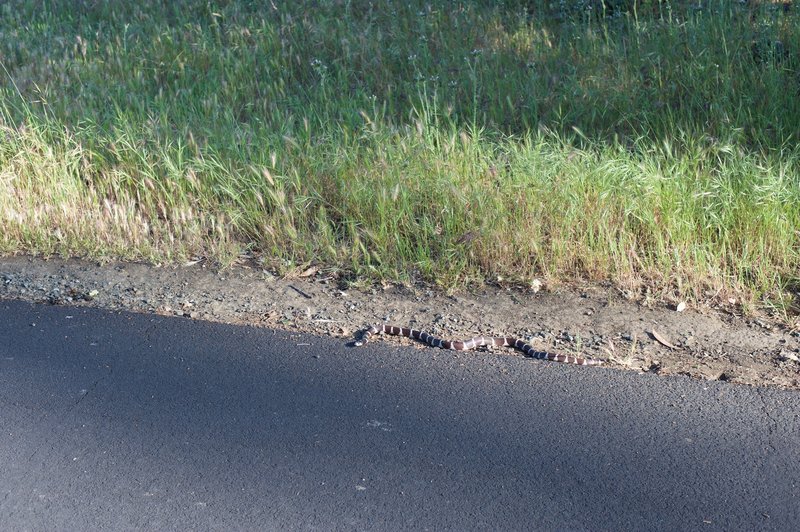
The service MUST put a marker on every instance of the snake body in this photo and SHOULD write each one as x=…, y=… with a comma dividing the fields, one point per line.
x=472, y=343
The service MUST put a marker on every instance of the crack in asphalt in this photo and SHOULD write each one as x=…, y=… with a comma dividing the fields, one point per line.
x=772, y=426
x=46, y=441
x=82, y=395
x=80, y=399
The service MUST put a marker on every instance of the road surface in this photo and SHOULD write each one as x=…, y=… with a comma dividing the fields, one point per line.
x=114, y=421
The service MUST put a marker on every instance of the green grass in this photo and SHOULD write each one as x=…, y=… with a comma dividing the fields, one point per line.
x=655, y=147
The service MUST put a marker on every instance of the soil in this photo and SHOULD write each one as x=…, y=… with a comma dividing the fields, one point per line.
x=597, y=321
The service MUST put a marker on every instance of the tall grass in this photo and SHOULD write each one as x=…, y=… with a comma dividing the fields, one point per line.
x=654, y=147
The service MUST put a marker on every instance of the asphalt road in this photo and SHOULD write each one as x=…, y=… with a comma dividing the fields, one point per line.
x=124, y=421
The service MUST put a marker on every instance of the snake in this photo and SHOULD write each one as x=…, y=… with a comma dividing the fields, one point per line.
x=472, y=343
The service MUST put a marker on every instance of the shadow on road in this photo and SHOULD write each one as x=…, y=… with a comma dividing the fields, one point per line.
x=137, y=420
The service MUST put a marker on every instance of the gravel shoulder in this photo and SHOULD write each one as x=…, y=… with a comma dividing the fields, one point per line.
x=597, y=321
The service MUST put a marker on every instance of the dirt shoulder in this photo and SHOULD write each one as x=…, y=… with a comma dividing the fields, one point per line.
x=595, y=321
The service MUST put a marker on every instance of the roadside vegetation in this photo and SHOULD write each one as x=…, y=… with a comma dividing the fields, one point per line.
x=655, y=144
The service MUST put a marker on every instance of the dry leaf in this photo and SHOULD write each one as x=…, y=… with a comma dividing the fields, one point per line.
x=660, y=339
x=309, y=272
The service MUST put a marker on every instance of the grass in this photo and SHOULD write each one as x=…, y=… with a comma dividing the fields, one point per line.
x=455, y=143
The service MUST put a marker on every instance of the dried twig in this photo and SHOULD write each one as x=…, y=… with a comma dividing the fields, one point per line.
x=300, y=292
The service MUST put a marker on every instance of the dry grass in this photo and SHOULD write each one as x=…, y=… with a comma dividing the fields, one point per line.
x=412, y=140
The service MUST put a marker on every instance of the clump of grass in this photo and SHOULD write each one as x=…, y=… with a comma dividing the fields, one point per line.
x=412, y=139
